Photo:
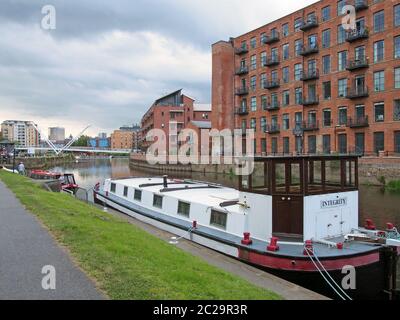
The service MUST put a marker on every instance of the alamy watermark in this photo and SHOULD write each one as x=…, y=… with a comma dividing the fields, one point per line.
x=49, y=279
x=49, y=20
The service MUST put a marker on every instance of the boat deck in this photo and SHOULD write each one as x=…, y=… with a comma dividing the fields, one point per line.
x=214, y=197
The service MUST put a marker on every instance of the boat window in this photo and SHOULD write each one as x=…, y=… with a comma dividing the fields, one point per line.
x=244, y=183
x=332, y=175
x=295, y=185
x=183, y=208
x=259, y=178
x=315, y=183
x=113, y=187
x=280, y=177
x=218, y=219
x=350, y=173
x=157, y=201
x=125, y=191
x=138, y=195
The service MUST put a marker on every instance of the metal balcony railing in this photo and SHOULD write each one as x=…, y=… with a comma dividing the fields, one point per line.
x=242, y=111
x=310, y=125
x=242, y=50
x=242, y=91
x=312, y=74
x=273, y=128
x=273, y=61
x=309, y=49
x=357, y=34
x=360, y=5
x=271, y=106
x=357, y=92
x=309, y=24
x=273, y=37
x=270, y=84
x=358, y=122
x=359, y=63
x=310, y=101
x=242, y=70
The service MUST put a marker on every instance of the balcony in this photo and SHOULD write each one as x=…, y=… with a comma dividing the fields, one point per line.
x=355, y=64
x=360, y=5
x=242, y=91
x=242, y=50
x=360, y=122
x=310, y=101
x=357, y=93
x=273, y=84
x=357, y=34
x=242, y=111
x=273, y=129
x=309, y=24
x=272, y=106
x=308, y=50
x=274, y=37
x=241, y=130
x=242, y=70
x=273, y=61
x=310, y=125
x=310, y=75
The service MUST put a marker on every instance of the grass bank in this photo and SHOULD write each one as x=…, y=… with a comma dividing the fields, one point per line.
x=125, y=261
x=393, y=186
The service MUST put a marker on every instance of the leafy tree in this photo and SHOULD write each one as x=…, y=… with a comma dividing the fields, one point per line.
x=82, y=141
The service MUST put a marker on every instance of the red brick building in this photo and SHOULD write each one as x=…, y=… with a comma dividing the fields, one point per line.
x=306, y=84
x=175, y=108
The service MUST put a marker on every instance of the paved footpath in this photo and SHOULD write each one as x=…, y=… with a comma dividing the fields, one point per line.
x=25, y=248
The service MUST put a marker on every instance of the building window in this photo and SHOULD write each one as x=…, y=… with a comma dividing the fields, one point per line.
x=397, y=141
x=285, y=122
x=253, y=43
x=379, y=51
x=298, y=70
x=285, y=74
x=298, y=44
x=218, y=219
x=274, y=100
x=297, y=24
x=253, y=124
x=397, y=47
x=341, y=35
x=340, y=6
x=379, y=141
x=263, y=58
x=285, y=51
x=326, y=13
x=137, y=195
x=379, y=81
x=379, y=112
x=326, y=64
x=183, y=209
x=312, y=144
x=286, y=97
x=253, y=62
x=298, y=95
x=125, y=191
x=263, y=79
x=326, y=90
x=326, y=143
x=342, y=116
x=397, y=78
x=342, y=143
x=157, y=201
x=253, y=83
x=264, y=102
x=342, y=88
x=253, y=103
x=326, y=38
x=274, y=75
x=342, y=60
x=274, y=145
x=379, y=21
x=263, y=145
x=396, y=17
x=113, y=187
x=285, y=30
x=263, y=124
x=396, y=110
x=327, y=118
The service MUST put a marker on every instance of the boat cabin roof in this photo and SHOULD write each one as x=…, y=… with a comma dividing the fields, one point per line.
x=187, y=190
x=301, y=175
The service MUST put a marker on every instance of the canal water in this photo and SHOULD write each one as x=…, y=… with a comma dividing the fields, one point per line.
x=375, y=203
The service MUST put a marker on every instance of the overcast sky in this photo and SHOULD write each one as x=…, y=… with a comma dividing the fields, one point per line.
x=107, y=61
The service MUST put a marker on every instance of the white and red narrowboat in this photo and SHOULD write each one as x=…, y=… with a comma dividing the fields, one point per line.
x=297, y=217
x=67, y=180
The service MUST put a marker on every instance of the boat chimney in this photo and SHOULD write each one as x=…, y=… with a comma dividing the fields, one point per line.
x=165, y=181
